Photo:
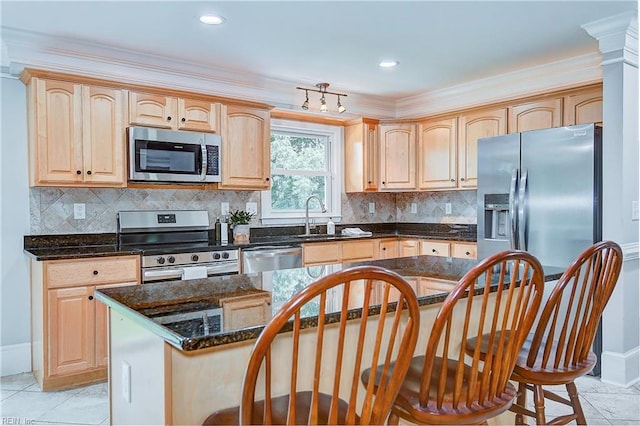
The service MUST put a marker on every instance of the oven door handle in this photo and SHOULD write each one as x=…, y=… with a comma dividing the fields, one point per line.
x=162, y=274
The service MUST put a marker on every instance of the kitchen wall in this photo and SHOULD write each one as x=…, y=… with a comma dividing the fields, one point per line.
x=51, y=209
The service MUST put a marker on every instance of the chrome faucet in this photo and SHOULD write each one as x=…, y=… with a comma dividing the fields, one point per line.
x=306, y=213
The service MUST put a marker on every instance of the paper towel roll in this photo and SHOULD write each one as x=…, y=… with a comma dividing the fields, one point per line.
x=194, y=272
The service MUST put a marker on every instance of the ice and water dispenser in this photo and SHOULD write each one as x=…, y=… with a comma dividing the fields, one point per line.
x=496, y=216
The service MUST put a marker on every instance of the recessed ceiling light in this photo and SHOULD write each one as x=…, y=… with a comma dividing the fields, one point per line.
x=388, y=64
x=212, y=19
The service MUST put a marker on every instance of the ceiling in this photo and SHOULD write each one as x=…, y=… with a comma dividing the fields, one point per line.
x=438, y=43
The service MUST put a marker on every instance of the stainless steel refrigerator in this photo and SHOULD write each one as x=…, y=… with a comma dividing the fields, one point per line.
x=540, y=191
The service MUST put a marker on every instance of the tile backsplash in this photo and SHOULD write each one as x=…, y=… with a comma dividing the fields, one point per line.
x=51, y=209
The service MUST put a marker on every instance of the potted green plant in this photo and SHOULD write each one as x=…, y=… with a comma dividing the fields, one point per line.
x=240, y=223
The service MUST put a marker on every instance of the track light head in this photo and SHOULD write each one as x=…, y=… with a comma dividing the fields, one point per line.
x=341, y=108
x=323, y=104
x=322, y=89
x=305, y=104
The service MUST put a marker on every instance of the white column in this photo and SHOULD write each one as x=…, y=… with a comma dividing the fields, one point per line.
x=618, y=42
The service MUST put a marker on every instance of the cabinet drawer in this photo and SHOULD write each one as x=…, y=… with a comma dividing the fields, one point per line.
x=358, y=250
x=92, y=271
x=434, y=249
x=467, y=251
x=321, y=253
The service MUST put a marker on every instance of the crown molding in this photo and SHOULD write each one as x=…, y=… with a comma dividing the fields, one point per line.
x=617, y=37
x=558, y=75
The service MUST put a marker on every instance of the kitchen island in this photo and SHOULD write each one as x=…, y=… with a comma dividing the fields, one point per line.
x=178, y=349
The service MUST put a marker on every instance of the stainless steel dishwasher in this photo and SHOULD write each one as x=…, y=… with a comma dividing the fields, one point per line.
x=271, y=258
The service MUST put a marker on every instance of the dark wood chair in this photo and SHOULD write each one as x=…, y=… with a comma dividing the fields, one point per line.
x=443, y=386
x=343, y=340
x=560, y=349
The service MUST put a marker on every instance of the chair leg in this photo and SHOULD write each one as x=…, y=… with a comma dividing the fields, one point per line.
x=521, y=401
x=393, y=418
x=538, y=401
x=575, y=403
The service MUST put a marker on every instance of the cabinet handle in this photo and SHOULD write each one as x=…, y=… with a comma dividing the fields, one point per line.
x=183, y=119
x=88, y=172
x=78, y=172
x=90, y=297
x=95, y=272
x=169, y=118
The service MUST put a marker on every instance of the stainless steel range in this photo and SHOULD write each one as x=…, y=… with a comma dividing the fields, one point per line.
x=175, y=244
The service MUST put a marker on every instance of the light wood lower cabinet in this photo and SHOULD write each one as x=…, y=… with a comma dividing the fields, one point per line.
x=69, y=326
x=246, y=310
x=388, y=249
x=433, y=248
x=464, y=250
x=339, y=252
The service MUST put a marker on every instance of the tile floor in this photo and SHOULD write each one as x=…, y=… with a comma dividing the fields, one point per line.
x=22, y=402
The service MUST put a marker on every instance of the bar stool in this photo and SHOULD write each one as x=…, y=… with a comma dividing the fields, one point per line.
x=355, y=333
x=441, y=386
x=559, y=351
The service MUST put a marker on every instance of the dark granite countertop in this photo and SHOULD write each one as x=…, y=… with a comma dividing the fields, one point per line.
x=150, y=304
x=76, y=246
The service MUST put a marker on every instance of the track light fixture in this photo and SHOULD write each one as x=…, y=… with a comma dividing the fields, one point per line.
x=322, y=89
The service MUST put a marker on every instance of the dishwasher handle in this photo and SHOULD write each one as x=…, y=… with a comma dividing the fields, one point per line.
x=270, y=251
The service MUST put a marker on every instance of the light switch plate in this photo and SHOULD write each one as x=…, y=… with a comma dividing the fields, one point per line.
x=634, y=210
x=414, y=208
x=372, y=207
x=251, y=208
x=78, y=211
x=224, y=209
x=447, y=208
x=126, y=381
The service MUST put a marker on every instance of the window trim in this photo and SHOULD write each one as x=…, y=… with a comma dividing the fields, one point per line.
x=336, y=141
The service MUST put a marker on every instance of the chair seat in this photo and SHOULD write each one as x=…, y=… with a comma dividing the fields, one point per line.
x=408, y=397
x=537, y=374
x=280, y=410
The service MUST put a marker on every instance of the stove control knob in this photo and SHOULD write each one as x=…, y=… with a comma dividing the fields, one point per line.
x=160, y=260
x=194, y=257
x=225, y=255
x=216, y=256
x=171, y=259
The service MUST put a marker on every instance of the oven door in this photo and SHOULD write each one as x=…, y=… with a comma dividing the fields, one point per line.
x=173, y=273
x=157, y=155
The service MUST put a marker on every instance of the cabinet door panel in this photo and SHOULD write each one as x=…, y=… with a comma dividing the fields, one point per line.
x=397, y=156
x=409, y=248
x=535, y=115
x=583, y=108
x=319, y=254
x=358, y=250
x=432, y=248
x=103, y=129
x=246, y=311
x=70, y=327
x=198, y=115
x=467, y=251
x=437, y=154
x=58, y=138
x=148, y=109
x=388, y=249
x=472, y=127
x=246, y=149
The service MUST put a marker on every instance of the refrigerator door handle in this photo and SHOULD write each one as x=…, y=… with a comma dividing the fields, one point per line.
x=523, y=210
x=513, y=206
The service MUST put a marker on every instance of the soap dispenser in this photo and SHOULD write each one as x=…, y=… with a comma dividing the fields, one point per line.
x=331, y=227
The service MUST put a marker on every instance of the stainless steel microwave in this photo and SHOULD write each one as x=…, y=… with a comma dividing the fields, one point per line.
x=157, y=155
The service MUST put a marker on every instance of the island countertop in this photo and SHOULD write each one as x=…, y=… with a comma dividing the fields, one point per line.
x=174, y=309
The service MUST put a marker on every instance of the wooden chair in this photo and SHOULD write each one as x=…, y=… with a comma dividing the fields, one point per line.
x=441, y=386
x=559, y=351
x=338, y=345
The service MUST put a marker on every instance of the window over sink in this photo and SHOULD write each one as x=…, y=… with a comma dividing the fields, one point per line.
x=306, y=159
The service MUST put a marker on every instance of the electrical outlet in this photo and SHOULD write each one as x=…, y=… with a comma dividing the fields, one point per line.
x=252, y=208
x=78, y=211
x=372, y=207
x=447, y=208
x=634, y=210
x=224, y=209
x=414, y=208
x=126, y=381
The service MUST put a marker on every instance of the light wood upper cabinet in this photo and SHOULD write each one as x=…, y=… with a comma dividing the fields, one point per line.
x=149, y=109
x=583, y=107
x=197, y=115
x=246, y=161
x=471, y=127
x=77, y=134
x=536, y=115
x=437, y=156
x=397, y=156
x=361, y=159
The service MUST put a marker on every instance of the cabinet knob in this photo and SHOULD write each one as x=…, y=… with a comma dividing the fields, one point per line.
x=267, y=179
x=78, y=172
x=369, y=182
x=169, y=118
x=95, y=272
x=90, y=297
x=88, y=172
x=453, y=180
x=434, y=251
x=384, y=248
x=183, y=119
x=384, y=183
x=462, y=179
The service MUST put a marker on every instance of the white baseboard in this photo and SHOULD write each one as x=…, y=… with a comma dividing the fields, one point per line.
x=15, y=359
x=621, y=369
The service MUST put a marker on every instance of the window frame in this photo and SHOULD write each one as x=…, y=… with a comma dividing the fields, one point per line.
x=335, y=136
